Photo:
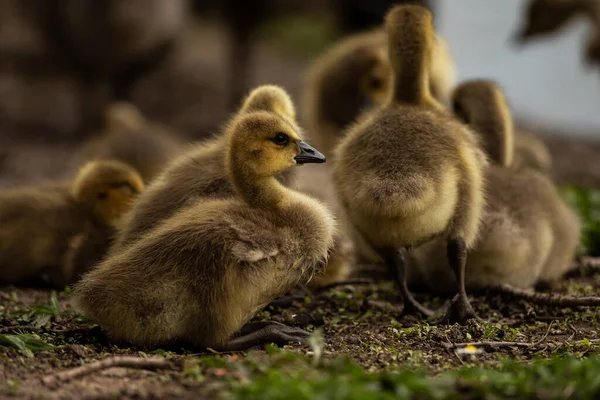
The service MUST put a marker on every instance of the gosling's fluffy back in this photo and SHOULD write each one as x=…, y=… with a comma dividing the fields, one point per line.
x=531, y=152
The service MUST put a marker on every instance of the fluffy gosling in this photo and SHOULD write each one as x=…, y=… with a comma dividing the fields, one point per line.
x=201, y=274
x=409, y=172
x=55, y=232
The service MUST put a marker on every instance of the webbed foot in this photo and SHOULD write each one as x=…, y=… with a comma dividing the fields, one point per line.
x=459, y=311
x=260, y=333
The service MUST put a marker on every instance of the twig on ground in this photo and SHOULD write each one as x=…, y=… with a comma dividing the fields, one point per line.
x=571, y=327
x=4, y=329
x=545, y=335
x=489, y=344
x=450, y=347
x=151, y=364
x=548, y=299
x=31, y=328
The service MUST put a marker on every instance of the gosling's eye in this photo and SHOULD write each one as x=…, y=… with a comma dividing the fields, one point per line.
x=375, y=83
x=281, y=139
x=460, y=113
x=102, y=195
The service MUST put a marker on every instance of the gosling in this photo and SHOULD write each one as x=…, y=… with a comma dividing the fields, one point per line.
x=345, y=81
x=409, y=172
x=129, y=137
x=545, y=17
x=205, y=271
x=55, y=232
x=528, y=235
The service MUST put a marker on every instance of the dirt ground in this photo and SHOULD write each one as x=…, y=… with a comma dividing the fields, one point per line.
x=362, y=321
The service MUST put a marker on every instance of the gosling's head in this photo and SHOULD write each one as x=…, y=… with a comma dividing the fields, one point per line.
x=269, y=98
x=543, y=17
x=263, y=139
x=476, y=96
x=482, y=104
x=264, y=144
x=592, y=50
x=375, y=80
x=411, y=26
x=108, y=188
x=123, y=116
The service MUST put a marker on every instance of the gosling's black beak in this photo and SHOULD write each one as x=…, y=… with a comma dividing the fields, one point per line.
x=309, y=154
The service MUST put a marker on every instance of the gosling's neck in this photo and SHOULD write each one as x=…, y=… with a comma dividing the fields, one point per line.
x=410, y=51
x=258, y=191
x=410, y=81
x=494, y=122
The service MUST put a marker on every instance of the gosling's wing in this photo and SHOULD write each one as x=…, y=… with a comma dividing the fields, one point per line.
x=255, y=240
x=266, y=250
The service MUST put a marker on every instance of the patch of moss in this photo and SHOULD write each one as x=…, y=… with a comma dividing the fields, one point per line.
x=290, y=376
x=586, y=202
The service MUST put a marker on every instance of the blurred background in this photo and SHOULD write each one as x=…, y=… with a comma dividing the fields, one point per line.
x=186, y=63
x=546, y=80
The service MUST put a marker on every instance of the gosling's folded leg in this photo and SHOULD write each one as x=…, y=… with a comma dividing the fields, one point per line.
x=460, y=310
x=260, y=333
x=395, y=262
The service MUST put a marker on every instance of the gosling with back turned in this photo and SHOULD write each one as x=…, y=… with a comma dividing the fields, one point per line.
x=528, y=234
x=204, y=272
x=55, y=232
x=409, y=172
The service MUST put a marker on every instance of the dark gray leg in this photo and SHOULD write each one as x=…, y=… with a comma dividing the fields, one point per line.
x=394, y=260
x=260, y=333
x=460, y=309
